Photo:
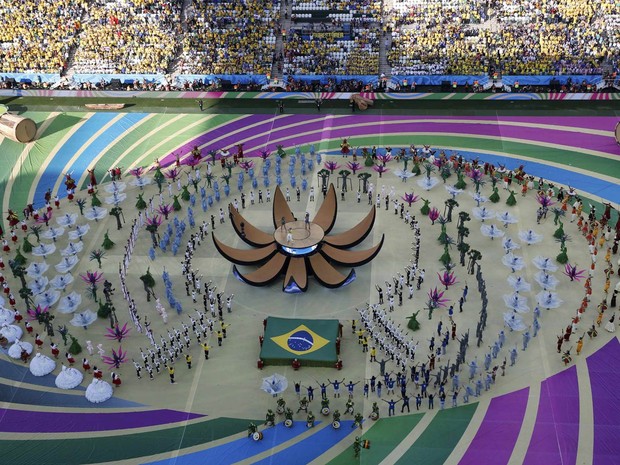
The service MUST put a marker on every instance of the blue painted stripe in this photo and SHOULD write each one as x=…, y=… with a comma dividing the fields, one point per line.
x=103, y=141
x=57, y=165
x=582, y=182
x=239, y=449
x=15, y=395
x=313, y=446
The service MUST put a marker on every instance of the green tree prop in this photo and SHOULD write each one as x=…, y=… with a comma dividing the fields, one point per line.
x=413, y=324
x=94, y=200
x=140, y=204
x=563, y=256
x=368, y=161
x=416, y=168
x=425, y=208
x=511, y=201
x=149, y=283
x=159, y=179
x=19, y=258
x=460, y=184
x=443, y=237
x=176, y=205
x=445, y=258
x=185, y=194
x=560, y=231
x=75, y=348
x=26, y=245
x=107, y=242
x=495, y=195
x=104, y=310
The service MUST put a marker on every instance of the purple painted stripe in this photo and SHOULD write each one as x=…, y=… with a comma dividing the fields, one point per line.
x=27, y=421
x=604, y=368
x=605, y=144
x=601, y=123
x=556, y=432
x=212, y=134
x=498, y=433
x=273, y=130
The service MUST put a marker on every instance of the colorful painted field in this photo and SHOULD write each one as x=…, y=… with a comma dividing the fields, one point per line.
x=569, y=418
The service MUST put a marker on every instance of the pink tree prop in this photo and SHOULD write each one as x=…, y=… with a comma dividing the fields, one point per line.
x=380, y=169
x=410, y=198
x=572, y=272
x=354, y=166
x=447, y=278
x=331, y=166
x=433, y=214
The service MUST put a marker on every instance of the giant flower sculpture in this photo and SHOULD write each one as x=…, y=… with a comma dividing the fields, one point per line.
x=298, y=249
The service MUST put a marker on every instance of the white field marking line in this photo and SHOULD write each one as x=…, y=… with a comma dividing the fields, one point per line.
x=83, y=148
x=53, y=153
x=110, y=145
x=25, y=152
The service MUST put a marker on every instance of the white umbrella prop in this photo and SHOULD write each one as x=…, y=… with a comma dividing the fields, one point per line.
x=274, y=384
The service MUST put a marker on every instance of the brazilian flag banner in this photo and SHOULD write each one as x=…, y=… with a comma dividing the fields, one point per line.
x=312, y=342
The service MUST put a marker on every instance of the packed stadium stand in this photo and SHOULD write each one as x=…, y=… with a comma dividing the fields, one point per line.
x=181, y=41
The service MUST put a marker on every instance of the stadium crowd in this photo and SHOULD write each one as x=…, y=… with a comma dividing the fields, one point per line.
x=328, y=37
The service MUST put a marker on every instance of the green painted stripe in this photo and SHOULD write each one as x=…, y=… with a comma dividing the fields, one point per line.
x=106, y=161
x=85, y=450
x=441, y=436
x=384, y=436
x=178, y=127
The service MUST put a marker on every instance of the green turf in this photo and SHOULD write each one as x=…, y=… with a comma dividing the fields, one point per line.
x=85, y=450
x=440, y=437
x=384, y=437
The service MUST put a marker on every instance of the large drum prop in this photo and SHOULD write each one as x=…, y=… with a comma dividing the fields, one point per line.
x=17, y=128
x=618, y=133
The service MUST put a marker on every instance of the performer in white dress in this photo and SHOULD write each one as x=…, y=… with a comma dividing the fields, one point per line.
x=61, y=281
x=53, y=233
x=514, y=321
x=98, y=391
x=79, y=232
x=510, y=245
x=66, y=264
x=483, y=213
x=11, y=332
x=548, y=299
x=96, y=213
x=519, y=284
x=546, y=281
x=544, y=264
x=15, y=351
x=428, y=183
x=492, y=231
x=47, y=298
x=69, y=303
x=6, y=316
x=43, y=250
x=516, y=303
x=530, y=237
x=506, y=218
x=69, y=378
x=73, y=248
x=479, y=198
x=38, y=285
x=67, y=220
x=453, y=191
x=34, y=270
x=42, y=365
x=116, y=198
x=514, y=262
x=115, y=186
x=84, y=319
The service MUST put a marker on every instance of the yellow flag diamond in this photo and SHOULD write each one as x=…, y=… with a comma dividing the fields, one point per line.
x=300, y=341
